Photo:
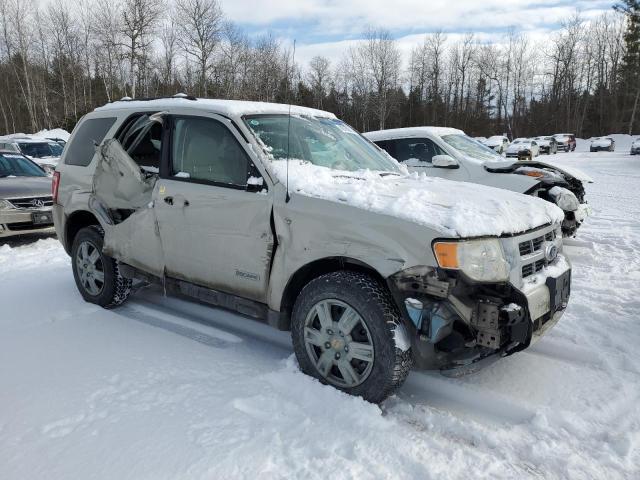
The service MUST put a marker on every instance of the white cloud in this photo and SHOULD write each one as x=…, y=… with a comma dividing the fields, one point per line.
x=329, y=27
x=348, y=18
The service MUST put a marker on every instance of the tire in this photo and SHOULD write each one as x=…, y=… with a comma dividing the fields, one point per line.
x=97, y=275
x=370, y=329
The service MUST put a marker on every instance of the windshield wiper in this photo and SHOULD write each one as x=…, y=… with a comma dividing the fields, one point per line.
x=384, y=174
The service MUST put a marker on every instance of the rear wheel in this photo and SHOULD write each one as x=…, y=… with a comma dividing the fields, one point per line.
x=344, y=334
x=97, y=275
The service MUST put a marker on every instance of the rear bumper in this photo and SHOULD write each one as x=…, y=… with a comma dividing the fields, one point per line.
x=22, y=221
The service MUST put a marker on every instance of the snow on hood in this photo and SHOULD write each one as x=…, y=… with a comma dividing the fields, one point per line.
x=455, y=208
x=601, y=142
x=516, y=147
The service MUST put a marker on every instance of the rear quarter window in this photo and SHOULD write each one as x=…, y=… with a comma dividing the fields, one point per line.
x=83, y=146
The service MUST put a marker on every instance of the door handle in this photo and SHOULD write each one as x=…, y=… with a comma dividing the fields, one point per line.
x=168, y=200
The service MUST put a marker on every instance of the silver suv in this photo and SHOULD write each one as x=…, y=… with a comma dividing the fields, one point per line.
x=289, y=216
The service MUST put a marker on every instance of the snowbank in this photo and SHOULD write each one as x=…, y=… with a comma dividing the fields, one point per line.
x=165, y=389
x=623, y=142
x=461, y=211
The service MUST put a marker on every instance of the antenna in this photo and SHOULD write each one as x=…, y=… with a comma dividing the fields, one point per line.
x=293, y=62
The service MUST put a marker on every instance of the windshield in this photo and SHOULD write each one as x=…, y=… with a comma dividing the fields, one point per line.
x=18, y=166
x=326, y=142
x=470, y=147
x=39, y=150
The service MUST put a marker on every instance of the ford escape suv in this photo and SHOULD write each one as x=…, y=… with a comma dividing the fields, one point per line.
x=288, y=215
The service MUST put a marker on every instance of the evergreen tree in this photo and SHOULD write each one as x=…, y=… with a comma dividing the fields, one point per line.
x=630, y=70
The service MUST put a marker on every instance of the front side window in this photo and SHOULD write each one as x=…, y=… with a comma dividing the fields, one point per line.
x=18, y=166
x=325, y=142
x=204, y=149
x=416, y=149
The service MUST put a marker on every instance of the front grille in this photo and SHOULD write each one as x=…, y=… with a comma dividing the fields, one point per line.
x=535, y=244
x=534, y=247
x=22, y=226
x=31, y=202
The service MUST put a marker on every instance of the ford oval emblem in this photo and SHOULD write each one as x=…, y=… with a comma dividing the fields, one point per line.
x=551, y=252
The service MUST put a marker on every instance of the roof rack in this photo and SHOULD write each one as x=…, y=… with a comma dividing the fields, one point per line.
x=148, y=99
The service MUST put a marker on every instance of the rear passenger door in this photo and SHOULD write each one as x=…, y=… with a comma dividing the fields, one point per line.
x=215, y=225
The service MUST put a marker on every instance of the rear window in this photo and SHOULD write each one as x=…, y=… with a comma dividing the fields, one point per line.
x=90, y=133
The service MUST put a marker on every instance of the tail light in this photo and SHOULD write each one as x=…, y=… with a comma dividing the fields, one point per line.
x=55, y=183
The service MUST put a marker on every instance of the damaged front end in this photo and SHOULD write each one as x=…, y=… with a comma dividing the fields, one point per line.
x=457, y=325
x=556, y=186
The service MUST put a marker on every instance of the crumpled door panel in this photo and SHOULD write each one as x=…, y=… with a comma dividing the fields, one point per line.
x=118, y=181
x=119, y=185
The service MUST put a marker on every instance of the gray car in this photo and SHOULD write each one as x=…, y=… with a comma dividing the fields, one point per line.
x=289, y=216
x=25, y=196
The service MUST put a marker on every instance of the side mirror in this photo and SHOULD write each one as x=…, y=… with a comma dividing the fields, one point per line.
x=444, y=161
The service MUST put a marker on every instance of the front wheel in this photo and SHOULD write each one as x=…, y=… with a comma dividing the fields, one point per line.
x=97, y=276
x=347, y=333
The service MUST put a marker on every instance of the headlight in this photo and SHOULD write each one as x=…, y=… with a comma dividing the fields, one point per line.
x=480, y=260
x=565, y=199
x=5, y=205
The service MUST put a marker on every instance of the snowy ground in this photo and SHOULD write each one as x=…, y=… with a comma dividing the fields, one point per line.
x=162, y=388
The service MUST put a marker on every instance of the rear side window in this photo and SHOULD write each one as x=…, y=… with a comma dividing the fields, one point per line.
x=90, y=133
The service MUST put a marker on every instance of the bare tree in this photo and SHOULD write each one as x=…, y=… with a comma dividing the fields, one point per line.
x=200, y=23
x=318, y=77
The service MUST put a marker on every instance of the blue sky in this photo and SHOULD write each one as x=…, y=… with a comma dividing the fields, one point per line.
x=328, y=27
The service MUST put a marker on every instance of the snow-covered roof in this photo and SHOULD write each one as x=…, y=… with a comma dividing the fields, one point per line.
x=411, y=132
x=223, y=107
x=23, y=138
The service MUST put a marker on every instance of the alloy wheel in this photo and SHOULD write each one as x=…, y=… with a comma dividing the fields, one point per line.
x=90, y=268
x=339, y=343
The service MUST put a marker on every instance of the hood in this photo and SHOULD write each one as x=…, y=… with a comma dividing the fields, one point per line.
x=492, y=143
x=509, y=166
x=18, y=187
x=456, y=209
x=601, y=143
x=543, y=143
x=567, y=171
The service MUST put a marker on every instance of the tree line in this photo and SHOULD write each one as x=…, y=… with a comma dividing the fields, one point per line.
x=61, y=59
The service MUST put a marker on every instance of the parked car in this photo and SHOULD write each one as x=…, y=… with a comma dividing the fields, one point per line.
x=44, y=152
x=547, y=145
x=566, y=141
x=635, y=147
x=599, y=144
x=498, y=143
x=288, y=215
x=523, y=148
x=25, y=196
x=59, y=141
x=449, y=153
